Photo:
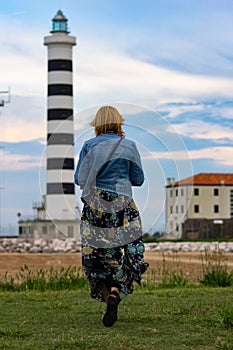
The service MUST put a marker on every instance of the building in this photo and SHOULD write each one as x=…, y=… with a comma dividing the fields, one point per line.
x=56, y=215
x=200, y=206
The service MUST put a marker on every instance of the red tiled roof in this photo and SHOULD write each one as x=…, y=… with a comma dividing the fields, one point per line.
x=211, y=179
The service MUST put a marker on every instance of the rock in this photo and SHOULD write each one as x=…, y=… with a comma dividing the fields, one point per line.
x=38, y=242
x=47, y=250
x=20, y=245
x=70, y=245
x=27, y=246
x=35, y=249
x=5, y=243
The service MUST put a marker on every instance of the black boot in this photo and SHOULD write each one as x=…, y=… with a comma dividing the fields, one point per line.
x=110, y=316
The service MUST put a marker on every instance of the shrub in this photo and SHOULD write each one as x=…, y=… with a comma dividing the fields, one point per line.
x=169, y=275
x=226, y=316
x=214, y=268
x=42, y=280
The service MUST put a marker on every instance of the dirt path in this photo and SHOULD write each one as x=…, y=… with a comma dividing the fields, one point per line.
x=190, y=263
x=11, y=262
x=186, y=258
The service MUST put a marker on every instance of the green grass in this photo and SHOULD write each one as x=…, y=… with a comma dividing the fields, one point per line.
x=215, y=270
x=43, y=279
x=50, y=309
x=170, y=319
x=215, y=273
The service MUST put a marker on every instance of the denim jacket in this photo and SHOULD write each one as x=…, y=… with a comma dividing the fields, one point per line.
x=109, y=162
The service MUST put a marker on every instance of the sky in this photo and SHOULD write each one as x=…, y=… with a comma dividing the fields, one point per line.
x=166, y=65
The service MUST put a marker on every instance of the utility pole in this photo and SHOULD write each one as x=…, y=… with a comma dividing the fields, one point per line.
x=5, y=99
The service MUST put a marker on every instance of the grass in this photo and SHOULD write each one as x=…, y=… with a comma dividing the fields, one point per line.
x=50, y=309
x=41, y=280
x=169, y=275
x=191, y=318
x=215, y=271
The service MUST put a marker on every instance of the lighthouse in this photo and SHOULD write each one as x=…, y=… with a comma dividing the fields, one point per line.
x=55, y=216
x=60, y=191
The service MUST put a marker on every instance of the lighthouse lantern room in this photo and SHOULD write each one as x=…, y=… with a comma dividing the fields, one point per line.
x=60, y=23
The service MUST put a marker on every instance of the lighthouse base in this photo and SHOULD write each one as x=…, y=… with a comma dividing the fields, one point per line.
x=29, y=228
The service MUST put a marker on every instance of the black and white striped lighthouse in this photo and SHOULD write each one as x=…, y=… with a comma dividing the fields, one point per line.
x=60, y=193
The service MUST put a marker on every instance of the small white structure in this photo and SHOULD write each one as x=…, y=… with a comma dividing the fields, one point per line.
x=205, y=196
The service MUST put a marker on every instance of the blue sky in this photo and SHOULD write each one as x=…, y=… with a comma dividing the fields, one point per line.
x=168, y=67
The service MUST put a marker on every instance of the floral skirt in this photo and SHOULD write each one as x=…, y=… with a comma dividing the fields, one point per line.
x=112, y=246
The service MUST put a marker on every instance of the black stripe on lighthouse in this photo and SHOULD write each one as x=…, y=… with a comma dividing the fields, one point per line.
x=60, y=64
x=60, y=114
x=60, y=163
x=60, y=89
x=60, y=139
x=60, y=188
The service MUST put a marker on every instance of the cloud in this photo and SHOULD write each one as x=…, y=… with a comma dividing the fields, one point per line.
x=102, y=74
x=99, y=69
x=22, y=130
x=23, y=119
x=22, y=60
x=227, y=112
x=126, y=77
x=222, y=155
x=180, y=108
x=198, y=129
x=15, y=162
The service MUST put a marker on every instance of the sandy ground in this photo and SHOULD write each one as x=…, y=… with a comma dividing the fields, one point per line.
x=190, y=263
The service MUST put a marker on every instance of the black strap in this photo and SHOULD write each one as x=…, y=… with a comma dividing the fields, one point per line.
x=115, y=147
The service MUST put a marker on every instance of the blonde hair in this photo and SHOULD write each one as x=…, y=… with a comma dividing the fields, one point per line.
x=108, y=119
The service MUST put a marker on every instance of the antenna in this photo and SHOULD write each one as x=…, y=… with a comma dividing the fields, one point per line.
x=3, y=101
x=6, y=99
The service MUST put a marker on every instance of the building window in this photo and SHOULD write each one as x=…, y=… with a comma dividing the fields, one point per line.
x=177, y=209
x=196, y=191
x=176, y=192
x=182, y=192
x=171, y=209
x=216, y=208
x=177, y=228
x=196, y=208
x=44, y=230
x=170, y=193
x=216, y=192
x=182, y=209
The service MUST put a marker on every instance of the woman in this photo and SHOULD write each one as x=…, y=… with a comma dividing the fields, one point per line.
x=109, y=165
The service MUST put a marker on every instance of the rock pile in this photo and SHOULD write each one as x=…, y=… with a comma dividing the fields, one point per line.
x=69, y=245
x=19, y=245
x=190, y=246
